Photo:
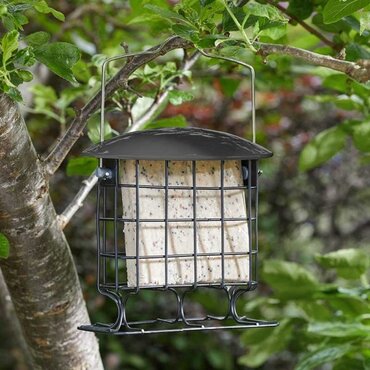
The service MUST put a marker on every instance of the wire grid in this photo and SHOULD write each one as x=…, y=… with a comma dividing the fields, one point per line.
x=112, y=259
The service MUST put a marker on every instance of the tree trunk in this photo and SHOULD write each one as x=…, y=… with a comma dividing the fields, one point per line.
x=40, y=272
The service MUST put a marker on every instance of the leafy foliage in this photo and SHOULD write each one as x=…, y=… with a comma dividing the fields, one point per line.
x=349, y=263
x=335, y=10
x=314, y=310
x=323, y=147
x=59, y=57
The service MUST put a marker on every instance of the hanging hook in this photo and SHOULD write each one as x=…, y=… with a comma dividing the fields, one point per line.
x=253, y=78
x=155, y=51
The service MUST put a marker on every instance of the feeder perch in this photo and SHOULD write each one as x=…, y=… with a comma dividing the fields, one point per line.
x=177, y=212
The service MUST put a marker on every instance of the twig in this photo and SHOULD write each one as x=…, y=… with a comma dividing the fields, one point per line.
x=75, y=130
x=359, y=71
x=306, y=26
x=77, y=201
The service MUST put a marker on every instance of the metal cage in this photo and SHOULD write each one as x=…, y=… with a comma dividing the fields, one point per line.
x=191, y=146
x=120, y=254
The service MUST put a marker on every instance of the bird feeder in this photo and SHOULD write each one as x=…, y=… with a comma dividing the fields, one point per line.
x=177, y=212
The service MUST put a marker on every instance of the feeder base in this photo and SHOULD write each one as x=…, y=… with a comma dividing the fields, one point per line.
x=172, y=326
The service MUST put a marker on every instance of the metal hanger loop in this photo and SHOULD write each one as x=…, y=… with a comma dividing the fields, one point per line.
x=149, y=52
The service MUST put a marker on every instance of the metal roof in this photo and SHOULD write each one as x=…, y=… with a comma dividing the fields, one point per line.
x=178, y=144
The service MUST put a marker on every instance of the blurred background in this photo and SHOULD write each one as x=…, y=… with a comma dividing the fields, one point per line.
x=306, y=212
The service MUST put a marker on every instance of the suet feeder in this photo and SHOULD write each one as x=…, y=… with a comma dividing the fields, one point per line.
x=177, y=212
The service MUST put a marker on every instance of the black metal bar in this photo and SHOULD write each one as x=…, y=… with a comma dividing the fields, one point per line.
x=256, y=226
x=222, y=223
x=178, y=255
x=104, y=229
x=98, y=239
x=137, y=173
x=194, y=176
x=116, y=189
x=166, y=222
x=179, y=187
x=248, y=285
x=248, y=324
x=249, y=218
x=119, y=219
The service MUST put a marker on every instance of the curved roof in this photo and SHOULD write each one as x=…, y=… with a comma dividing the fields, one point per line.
x=178, y=144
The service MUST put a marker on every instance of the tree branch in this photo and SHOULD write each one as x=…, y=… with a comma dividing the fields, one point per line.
x=77, y=202
x=359, y=71
x=306, y=26
x=88, y=184
x=75, y=130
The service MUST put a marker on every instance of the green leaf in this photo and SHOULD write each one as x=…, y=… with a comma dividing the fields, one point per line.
x=364, y=22
x=335, y=10
x=15, y=21
x=302, y=9
x=45, y=96
x=336, y=27
x=3, y=10
x=337, y=81
x=274, y=33
x=185, y=31
x=4, y=246
x=59, y=57
x=177, y=97
x=9, y=43
x=355, y=51
x=350, y=363
x=322, y=356
x=14, y=94
x=361, y=136
x=323, y=147
x=228, y=23
x=25, y=57
x=37, y=38
x=289, y=279
x=44, y=8
x=26, y=76
x=165, y=13
x=176, y=121
x=266, y=11
x=145, y=18
x=81, y=166
x=349, y=263
x=267, y=342
x=81, y=71
x=338, y=329
x=347, y=305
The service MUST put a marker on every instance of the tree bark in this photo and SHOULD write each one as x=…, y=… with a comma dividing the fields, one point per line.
x=40, y=272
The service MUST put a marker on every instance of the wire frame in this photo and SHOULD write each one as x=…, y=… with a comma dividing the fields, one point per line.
x=113, y=259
